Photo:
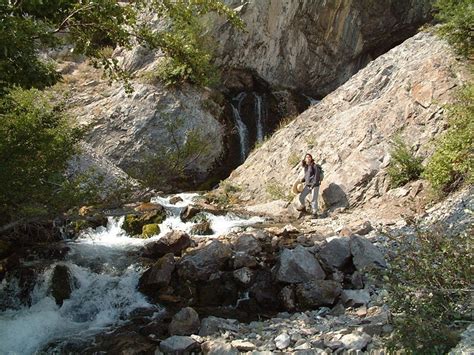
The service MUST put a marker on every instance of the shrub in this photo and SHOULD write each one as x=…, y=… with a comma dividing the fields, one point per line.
x=453, y=160
x=404, y=166
x=429, y=283
x=36, y=143
x=278, y=192
x=457, y=19
x=293, y=159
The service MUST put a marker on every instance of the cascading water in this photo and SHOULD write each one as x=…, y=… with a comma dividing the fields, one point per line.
x=260, y=114
x=104, y=264
x=241, y=127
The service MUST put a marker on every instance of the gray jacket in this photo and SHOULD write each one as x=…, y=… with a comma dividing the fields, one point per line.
x=312, y=175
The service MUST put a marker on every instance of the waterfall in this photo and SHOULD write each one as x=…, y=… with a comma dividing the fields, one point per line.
x=260, y=114
x=105, y=266
x=241, y=127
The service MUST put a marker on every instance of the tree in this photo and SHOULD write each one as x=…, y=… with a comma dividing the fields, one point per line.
x=28, y=27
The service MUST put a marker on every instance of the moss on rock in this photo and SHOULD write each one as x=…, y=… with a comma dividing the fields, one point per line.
x=151, y=229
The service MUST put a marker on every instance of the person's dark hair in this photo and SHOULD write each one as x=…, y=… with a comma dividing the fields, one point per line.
x=303, y=162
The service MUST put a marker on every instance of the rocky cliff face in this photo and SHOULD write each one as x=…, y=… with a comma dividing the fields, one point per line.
x=315, y=45
x=350, y=130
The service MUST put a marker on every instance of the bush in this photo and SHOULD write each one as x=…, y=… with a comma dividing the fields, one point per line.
x=36, y=143
x=457, y=21
x=278, y=192
x=404, y=166
x=453, y=160
x=429, y=284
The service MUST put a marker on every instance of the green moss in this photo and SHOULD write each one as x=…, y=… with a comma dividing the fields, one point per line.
x=149, y=230
x=132, y=224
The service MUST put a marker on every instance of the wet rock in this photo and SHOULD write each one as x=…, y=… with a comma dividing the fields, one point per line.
x=133, y=223
x=202, y=228
x=355, y=341
x=159, y=275
x=178, y=345
x=175, y=199
x=355, y=298
x=148, y=206
x=336, y=254
x=173, y=242
x=61, y=284
x=365, y=255
x=217, y=348
x=212, y=325
x=317, y=293
x=189, y=212
x=150, y=230
x=298, y=265
x=185, y=322
x=282, y=341
x=247, y=244
x=205, y=261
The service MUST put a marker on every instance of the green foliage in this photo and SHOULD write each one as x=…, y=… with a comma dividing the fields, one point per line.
x=172, y=166
x=293, y=159
x=226, y=195
x=404, y=167
x=430, y=285
x=453, y=159
x=35, y=145
x=278, y=192
x=457, y=23
x=28, y=27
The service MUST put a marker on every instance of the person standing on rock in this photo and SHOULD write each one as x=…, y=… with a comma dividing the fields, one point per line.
x=313, y=174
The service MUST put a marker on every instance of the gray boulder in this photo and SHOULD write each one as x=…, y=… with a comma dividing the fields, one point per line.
x=365, y=255
x=212, y=325
x=185, y=322
x=355, y=298
x=173, y=242
x=159, y=275
x=204, y=262
x=317, y=293
x=336, y=254
x=247, y=244
x=177, y=344
x=298, y=265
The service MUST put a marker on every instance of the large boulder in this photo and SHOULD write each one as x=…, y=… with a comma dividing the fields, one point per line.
x=317, y=293
x=185, y=322
x=159, y=275
x=336, y=254
x=365, y=255
x=133, y=223
x=205, y=261
x=173, y=242
x=212, y=325
x=298, y=265
x=247, y=244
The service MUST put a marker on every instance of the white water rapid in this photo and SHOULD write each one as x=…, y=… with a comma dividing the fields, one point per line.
x=105, y=266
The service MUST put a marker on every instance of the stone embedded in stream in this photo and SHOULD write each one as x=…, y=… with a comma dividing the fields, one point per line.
x=61, y=284
x=173, y=242
x=185, y=322
x=205, y=261
x=133, y=223
x=202, y=228
x=150, y=230
x=298, y=265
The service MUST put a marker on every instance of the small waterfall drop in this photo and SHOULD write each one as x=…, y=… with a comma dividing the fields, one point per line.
x=260, y=113
x=241, y=127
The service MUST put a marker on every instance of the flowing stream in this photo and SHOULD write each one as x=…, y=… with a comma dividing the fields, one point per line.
x=105, y=267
